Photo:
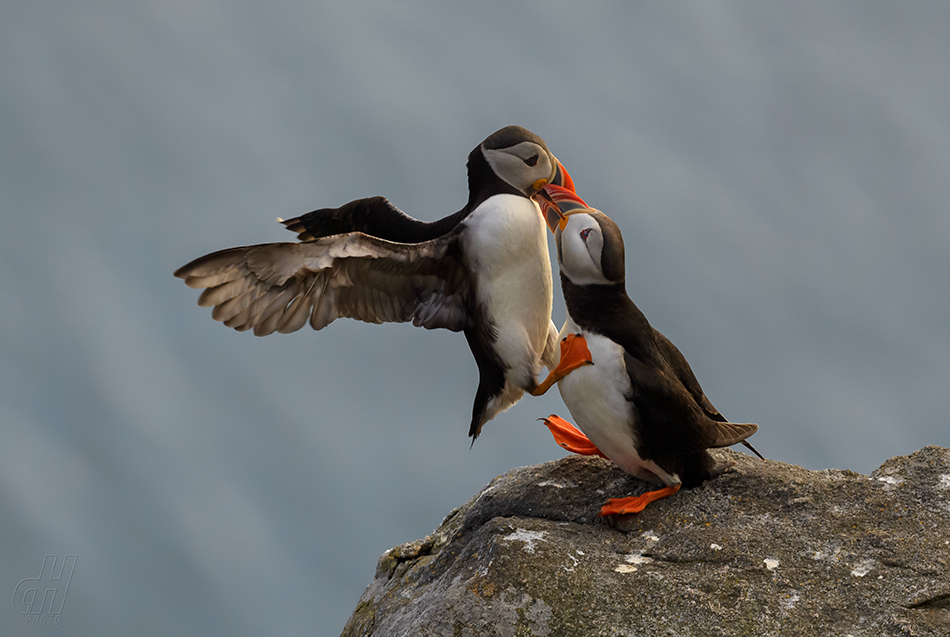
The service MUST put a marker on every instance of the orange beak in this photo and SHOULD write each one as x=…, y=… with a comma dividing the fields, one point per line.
x=556, y=202
x=561, y=179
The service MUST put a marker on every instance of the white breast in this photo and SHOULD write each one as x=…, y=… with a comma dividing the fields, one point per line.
x=596, y=396
x=506, y=246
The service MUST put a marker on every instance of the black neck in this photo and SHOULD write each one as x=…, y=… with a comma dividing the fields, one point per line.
x=606, y=310
x=588, y=304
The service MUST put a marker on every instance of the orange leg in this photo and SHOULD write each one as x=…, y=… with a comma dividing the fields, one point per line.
x=622, y=506
x=570, y=437
x=574, y=354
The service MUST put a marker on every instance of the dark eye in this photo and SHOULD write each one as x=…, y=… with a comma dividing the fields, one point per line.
x=585, y=233
x=531, y=161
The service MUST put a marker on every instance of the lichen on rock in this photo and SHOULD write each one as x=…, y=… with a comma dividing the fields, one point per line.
x=767, y=549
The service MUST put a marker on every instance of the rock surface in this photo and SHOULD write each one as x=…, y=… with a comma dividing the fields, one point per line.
x=768, y=549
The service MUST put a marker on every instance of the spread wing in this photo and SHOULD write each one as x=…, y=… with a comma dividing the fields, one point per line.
x=375, y=216
x=281, y=286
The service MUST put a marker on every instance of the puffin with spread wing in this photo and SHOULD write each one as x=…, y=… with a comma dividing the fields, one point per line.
x=483, y=271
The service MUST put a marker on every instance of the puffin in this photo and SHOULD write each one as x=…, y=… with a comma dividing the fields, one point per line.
x=629, y=389
x=483, y=271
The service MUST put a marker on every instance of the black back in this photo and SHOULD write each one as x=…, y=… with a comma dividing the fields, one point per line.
x=674, y=428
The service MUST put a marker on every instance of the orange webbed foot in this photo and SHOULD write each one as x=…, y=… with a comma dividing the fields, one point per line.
x=624, y=506
x=574, y=354
x=570, y=437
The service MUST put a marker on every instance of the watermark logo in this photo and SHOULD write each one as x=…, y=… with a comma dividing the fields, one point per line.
x=42, y=598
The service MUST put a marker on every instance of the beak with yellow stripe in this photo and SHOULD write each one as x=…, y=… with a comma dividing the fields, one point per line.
x=558, y=203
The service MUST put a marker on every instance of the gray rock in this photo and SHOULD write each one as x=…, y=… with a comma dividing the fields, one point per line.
x=767, y=549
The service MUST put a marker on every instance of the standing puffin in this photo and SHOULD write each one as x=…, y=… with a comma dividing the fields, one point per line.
x=484, y=270
x=629, y=389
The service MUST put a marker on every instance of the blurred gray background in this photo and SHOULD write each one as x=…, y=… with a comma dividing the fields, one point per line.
x=781, y=174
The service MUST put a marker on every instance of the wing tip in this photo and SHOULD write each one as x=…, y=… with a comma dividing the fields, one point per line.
x=748, y=445
x=296, y=225
x=733, y=433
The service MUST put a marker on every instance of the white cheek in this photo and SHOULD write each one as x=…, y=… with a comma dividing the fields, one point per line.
x=545, y=167
x=595, y=247
x=511, y=167
x=508, y=167
x=577, y=263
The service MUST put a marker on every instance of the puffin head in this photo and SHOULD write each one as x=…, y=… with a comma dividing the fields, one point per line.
x=522, y=160
x=589, y=245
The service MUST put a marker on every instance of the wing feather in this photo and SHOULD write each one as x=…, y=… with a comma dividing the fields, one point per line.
x=230, y=308
x=218, y=294
x=269, y=324
x=726, y=434
x=282, y=286
x=678, y=423
x=325, y=310
x=267, y=310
